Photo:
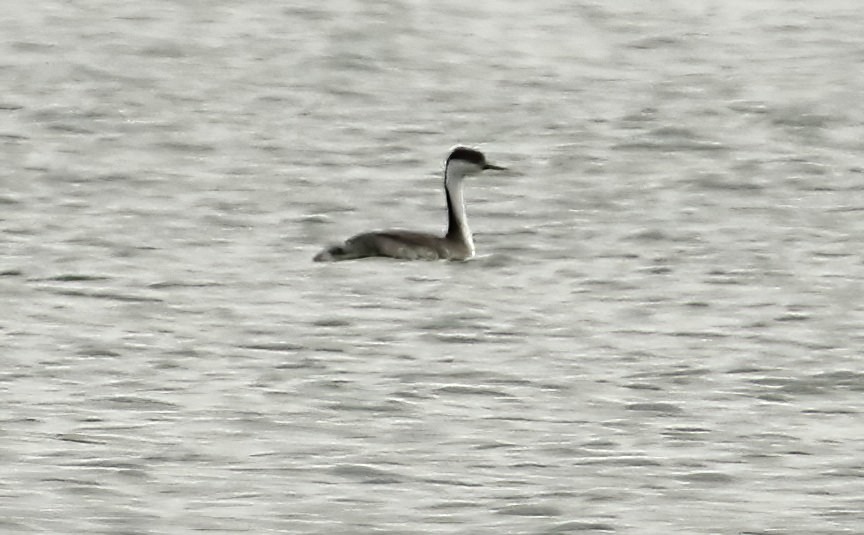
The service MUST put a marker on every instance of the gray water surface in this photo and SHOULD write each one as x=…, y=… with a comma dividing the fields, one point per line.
x=662, y=331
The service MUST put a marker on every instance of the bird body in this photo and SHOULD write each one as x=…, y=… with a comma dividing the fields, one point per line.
x=456, y=244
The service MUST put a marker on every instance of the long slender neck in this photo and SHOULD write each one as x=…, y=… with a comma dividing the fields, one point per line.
x=457, y=221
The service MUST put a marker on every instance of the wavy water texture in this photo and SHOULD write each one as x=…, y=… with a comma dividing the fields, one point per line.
x=661, y=333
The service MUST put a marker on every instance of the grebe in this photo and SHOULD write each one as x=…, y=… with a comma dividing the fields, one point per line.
x=457, y=244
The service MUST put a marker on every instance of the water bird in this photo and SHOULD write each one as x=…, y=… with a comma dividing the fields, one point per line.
x=456, y=244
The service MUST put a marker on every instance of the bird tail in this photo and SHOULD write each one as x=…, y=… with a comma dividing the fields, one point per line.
x=334, y=253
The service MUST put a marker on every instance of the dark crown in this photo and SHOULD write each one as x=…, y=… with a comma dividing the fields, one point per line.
x=469, y=155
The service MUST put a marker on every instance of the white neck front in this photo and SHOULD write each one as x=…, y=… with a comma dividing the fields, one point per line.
x=454, y=176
